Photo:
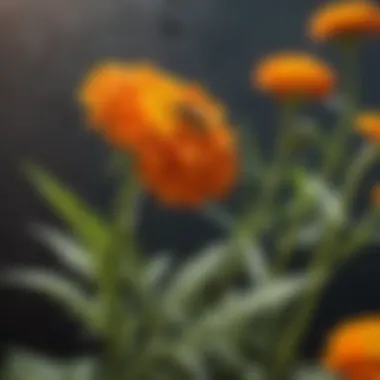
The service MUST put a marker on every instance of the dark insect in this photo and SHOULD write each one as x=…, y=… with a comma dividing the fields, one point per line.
x=193, y=116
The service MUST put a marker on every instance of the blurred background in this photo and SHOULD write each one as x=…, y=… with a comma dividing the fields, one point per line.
x=46, y=46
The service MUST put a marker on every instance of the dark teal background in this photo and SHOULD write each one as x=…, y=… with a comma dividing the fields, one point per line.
x=45, y=49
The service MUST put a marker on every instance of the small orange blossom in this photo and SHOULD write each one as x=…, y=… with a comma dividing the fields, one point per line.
x=294, y=75
x=353, y=349
x=367, y=124
x=344, y=19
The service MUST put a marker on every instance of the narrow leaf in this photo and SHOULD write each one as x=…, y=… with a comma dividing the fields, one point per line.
x=238, y=309
x=68, y=206
x=68, y=251
x=24, y=364
x=192, y=277
x=312, y=373
x=157, y=269
x=54, y=286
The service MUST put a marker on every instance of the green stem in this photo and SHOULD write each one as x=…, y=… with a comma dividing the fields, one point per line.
x=338, y=142
x=255, y=220
x=121, y=243
x=288, y=242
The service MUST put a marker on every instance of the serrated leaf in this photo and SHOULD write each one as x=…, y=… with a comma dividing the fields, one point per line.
x=56, y=287
x=238, y=309
x=68, y=251
x=68, y=206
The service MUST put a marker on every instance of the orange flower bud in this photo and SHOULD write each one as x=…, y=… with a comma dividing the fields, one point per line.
x=353, y=349
x=353, y=18
x=294, y=75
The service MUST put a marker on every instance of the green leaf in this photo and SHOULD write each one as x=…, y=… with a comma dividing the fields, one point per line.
x=229, y=355
x=23, y=364
x=26, y=365
x=328, y=206
x=68, y=206
x=192, y=277
x=212, y=262
x=56, y=287
x=68, y=251
x=156, y=270
x=254, y=259
x=312, y=373
x=239, y=309
x=190, y=362
x=327, y=198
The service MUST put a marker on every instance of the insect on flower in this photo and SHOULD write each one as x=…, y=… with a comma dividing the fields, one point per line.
x=193, y=116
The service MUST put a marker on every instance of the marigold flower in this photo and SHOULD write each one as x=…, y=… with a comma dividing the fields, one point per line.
x=368, y=125
x=178, y=133
x=353, y=349
x=198, y=162
x=344, y=19
x=127, y=103
x=294, y=75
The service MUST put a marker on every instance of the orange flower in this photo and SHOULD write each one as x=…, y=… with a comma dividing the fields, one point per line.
x=353, y=349
x=375, y=195
x=199, y=161
x=345, y=19
x=294, y=75
x=368, y=125
x=179, y=134
x=128, y=103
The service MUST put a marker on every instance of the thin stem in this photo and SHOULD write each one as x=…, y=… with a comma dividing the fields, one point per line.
x=337, y=146
x=255, y=220
x=121, y=243
x=287, y=244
